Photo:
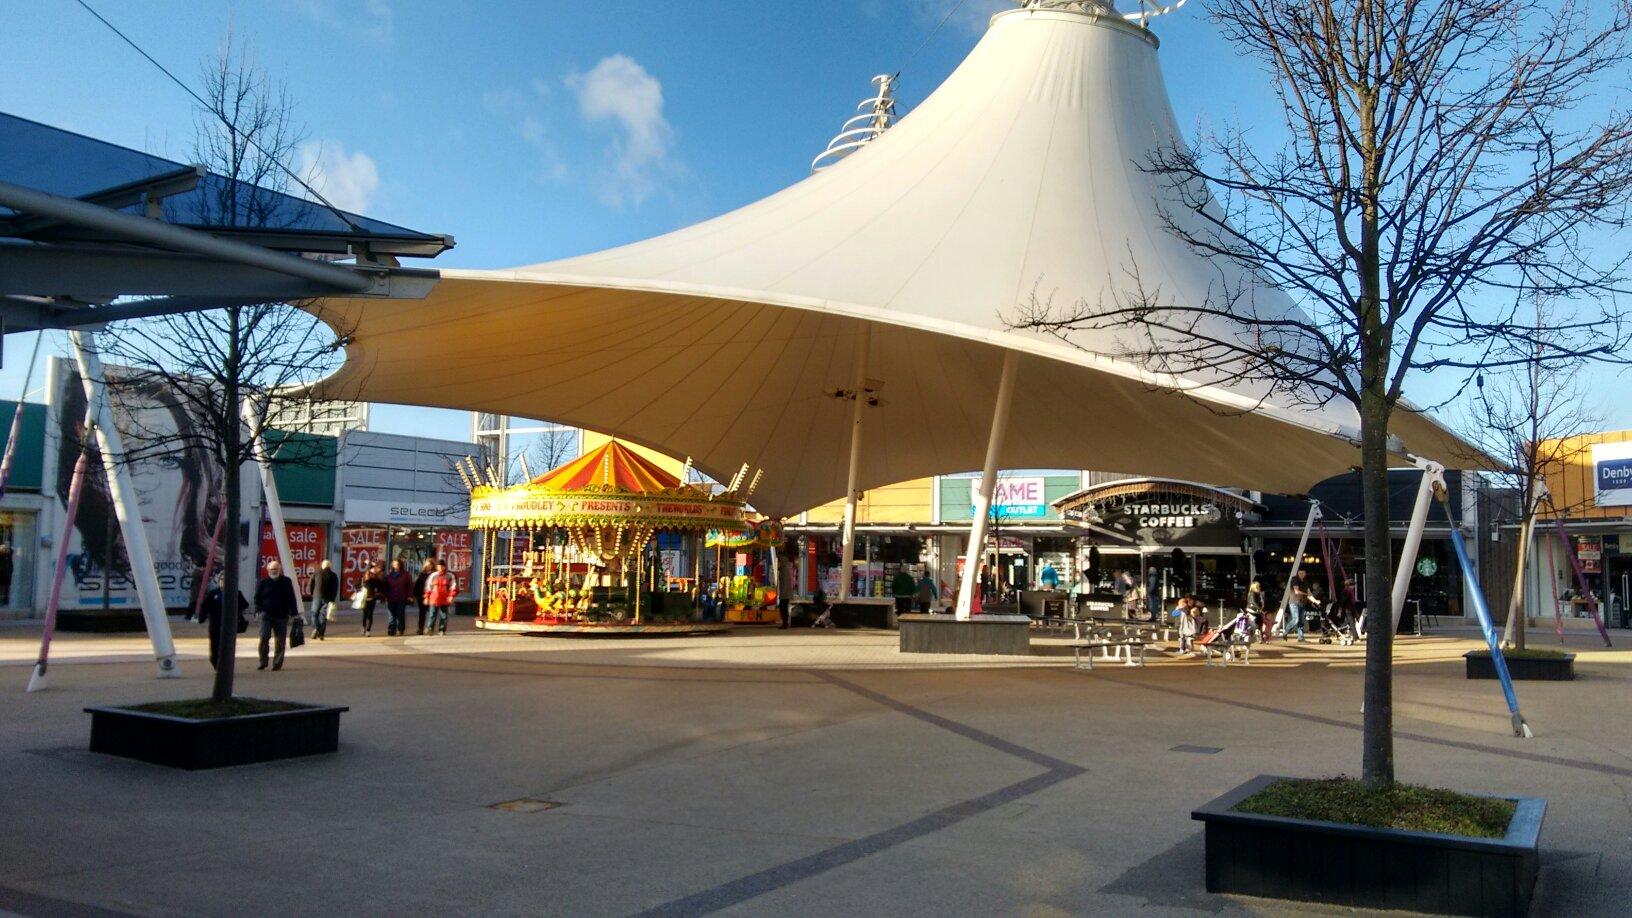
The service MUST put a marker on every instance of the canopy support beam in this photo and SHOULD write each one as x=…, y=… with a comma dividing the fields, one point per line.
x=858, y=401
x=988, y=485
x=1297, y=560
x=1432, y=472
x=125, y=502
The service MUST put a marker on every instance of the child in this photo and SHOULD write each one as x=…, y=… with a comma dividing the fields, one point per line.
x=1189, y=624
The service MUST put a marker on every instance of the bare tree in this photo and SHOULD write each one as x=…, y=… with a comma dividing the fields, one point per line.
x=1444, y=161
x=221, y=374
x=553, y=447
x=1532, y=416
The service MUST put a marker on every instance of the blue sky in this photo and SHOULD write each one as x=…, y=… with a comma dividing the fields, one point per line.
x=506, y=123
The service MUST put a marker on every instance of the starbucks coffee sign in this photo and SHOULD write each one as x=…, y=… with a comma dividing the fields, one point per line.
x=1157, y=519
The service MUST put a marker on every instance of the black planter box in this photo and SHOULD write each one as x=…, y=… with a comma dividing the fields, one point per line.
x=980, y=634
x=1362, y=867
x=181, y=742
x=1481, y=666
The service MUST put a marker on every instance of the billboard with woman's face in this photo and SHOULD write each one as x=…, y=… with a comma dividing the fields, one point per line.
x=179, y=490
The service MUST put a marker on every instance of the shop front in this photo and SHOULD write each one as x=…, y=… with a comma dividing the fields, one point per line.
x=1167, y=538
x=380, y=532
x=1581, y=559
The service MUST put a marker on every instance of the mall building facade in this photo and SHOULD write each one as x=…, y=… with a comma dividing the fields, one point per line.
x=1081, y=529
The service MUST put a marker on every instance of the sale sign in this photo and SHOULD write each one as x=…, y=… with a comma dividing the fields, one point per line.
x=360, y=550
x=456, y=546
x=308, y=546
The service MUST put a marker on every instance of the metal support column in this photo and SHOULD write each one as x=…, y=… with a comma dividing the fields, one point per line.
x=988, y=485
x=858, y=402
x=1432, y=473
x=1297, y=559
x=269, y=494
x=125, y=503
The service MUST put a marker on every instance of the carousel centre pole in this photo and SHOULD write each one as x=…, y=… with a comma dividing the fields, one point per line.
x=988, y=484
x=125, y=503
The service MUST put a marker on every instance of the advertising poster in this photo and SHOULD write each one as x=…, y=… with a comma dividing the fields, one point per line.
x=177, y=483
x=360, y=549
x=308, y=546
x=1589, y=550
x=455, y=546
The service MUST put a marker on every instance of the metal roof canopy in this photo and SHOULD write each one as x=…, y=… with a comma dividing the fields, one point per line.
x=882, y=282
x=85, y=222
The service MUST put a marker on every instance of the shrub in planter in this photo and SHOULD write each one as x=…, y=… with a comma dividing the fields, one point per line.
x=196, y=734
x=1338, y=842
x=1530, y=663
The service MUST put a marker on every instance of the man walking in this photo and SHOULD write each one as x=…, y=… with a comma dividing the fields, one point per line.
x=212, y=612
x=419, y=590
x=275, y=600
x=399, y=588
x=326, y=589
x=1294, y=609
x=440, y=589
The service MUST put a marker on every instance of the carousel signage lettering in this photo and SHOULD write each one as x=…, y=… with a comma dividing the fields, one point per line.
x=534, y=507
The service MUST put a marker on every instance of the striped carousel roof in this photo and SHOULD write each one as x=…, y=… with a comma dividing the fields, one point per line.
x=612, y=467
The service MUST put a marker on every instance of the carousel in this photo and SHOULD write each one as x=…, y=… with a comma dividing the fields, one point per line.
x=608, y=543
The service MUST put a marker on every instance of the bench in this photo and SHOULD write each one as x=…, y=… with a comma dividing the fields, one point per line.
x=1111, y=649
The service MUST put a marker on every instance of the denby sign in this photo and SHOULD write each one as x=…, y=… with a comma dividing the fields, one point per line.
x=1612, y=474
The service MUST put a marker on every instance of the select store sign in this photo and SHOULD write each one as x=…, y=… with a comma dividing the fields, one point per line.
x=403, y=513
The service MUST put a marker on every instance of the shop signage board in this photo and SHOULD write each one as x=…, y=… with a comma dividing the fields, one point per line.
x=1612, y=474
x=1019, y=498
x=405, y=513
x=361, y=548
x=308, y=546
x=1158, y=519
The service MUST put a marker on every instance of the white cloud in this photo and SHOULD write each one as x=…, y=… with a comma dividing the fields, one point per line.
x=970, y=16
x=371, y=19
x=348, y=181
x=619, y=91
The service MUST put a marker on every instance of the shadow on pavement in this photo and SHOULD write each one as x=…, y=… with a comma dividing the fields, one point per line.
x=1171, y=879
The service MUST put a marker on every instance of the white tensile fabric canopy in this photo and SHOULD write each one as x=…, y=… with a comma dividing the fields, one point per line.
x=727, y=340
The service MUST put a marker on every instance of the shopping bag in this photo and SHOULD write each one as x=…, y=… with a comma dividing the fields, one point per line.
x=359, y=598
x=297, y=632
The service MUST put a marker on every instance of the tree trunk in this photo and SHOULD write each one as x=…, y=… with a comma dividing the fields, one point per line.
x=229, y=550
x=1377, y=760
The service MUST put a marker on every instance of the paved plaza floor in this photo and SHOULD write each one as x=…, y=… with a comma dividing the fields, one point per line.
x=759, y=772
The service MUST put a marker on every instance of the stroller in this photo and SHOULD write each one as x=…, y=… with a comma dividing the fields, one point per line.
x=1231, y=641
x=1341, y=621
x=824, y=617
